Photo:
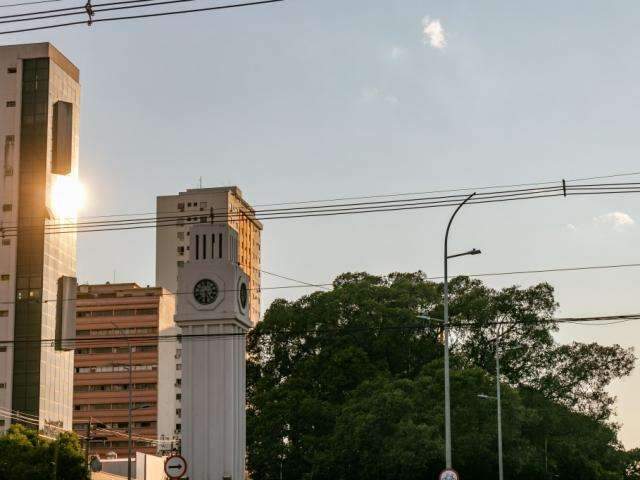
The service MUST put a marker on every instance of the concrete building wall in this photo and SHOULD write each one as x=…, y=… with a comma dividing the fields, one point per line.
x=168, y=391
x=193, y=206
x=178, y=214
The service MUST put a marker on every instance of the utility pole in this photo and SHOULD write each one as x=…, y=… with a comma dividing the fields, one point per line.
x=129, y=446
x=88, y=441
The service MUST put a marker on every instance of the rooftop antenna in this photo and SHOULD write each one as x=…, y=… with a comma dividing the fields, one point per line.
x=200, y=182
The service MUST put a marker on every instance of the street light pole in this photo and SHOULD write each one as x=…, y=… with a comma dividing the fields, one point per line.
x=500, y=468
x=447, y=389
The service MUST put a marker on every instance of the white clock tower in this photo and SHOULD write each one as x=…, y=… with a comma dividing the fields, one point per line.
x=213, y=312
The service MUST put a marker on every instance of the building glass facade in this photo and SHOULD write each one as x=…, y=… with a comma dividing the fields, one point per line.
x=41, y=114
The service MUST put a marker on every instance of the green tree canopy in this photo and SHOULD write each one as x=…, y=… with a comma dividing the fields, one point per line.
x=347, y=384
x=25, y=455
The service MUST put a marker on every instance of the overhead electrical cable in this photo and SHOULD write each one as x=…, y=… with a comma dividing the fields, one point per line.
x=316, y=211
x=127, y=339
x=364, y=197
x=36, y=2
x=148, y=15
x=303, y=284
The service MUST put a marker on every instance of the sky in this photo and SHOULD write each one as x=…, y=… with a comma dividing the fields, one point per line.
x=316, y=99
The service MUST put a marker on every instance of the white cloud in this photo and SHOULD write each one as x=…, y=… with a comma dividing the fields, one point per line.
x=434, y=33
x=369, y=94
x=618, y=220
x=391, y=99
x=374, y=94
x=397, y=53
x=571, y=227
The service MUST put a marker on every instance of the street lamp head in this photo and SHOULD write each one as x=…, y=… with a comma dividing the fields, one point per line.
x=475, y=251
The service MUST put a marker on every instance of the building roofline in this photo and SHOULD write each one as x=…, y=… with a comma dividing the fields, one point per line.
x=235, y=190
x=51, y=52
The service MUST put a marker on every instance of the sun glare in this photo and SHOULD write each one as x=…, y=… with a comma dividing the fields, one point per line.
x=67, y=196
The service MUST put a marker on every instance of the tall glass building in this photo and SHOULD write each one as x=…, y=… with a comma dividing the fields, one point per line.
x=39, y=111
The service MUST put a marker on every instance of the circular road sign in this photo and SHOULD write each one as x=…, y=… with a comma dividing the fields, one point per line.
x=449, y=475
x=176, y=466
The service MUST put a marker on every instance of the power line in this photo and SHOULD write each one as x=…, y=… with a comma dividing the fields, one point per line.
x=29, y=3
x=148, y=15
x=450, y=190
x=364, y=197
x=303, y=284
x=82, y=9
x=85, y=342
x=319, y=211
x=267, y=213
x=549, y=270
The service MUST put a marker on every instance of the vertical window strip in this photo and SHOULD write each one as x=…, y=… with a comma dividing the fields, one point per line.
x=204, y=247
x=197, y=247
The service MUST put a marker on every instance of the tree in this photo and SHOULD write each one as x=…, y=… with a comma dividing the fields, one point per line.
x=25, y=455
x=347, y=384
x=576, y=375
x=632, y=471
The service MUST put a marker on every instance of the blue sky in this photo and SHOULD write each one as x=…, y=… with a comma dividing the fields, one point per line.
x=316, y=99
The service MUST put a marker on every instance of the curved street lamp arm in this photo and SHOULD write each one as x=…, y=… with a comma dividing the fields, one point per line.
x=446, y=235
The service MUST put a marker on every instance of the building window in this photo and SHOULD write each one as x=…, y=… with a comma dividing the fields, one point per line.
x=7, y=207
x=62, y=138
x=4, y=313
x=6, y=241
x=180, y=263
x=181, y=207
x=1, y=423
x=179, y=412
x=12, y=70
x=180, y=235
x=178, y=396
x=3, y=349
x=4, y=277
x=178, y=366
x=11, y=103
x=180, y=250
x=3, y=385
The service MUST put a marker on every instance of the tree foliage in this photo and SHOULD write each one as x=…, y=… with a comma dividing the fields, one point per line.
x=347, y=384
x=25, y=455
x=576, y=375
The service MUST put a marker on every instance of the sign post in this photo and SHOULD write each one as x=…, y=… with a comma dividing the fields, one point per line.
x=175, y=467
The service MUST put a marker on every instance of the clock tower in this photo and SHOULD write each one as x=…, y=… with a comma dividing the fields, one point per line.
x=213, y=313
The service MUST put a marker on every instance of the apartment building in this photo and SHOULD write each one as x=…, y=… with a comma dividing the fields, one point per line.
x=118, y=328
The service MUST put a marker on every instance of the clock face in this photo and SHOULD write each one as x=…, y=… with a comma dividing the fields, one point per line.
x=243, y=295
x=205, y=292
